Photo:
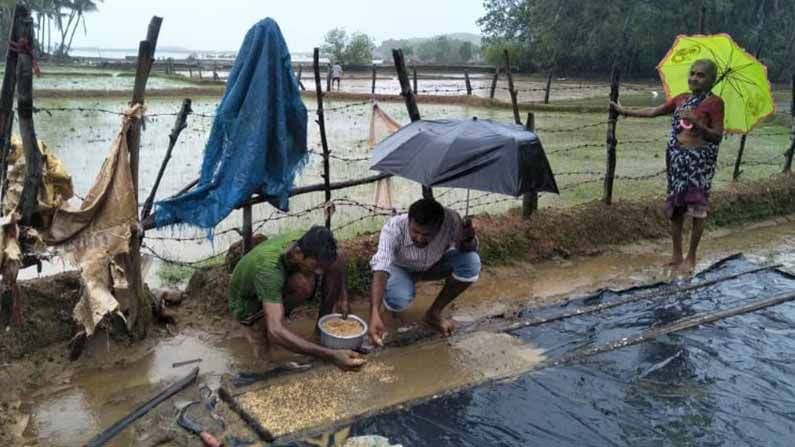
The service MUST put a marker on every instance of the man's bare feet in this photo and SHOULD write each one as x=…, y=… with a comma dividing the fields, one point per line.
x=445, y=326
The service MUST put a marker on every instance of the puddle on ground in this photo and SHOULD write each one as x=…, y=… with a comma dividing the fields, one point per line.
x=71, y=413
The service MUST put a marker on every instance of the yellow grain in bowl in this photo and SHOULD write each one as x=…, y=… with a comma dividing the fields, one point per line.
x=342, y=328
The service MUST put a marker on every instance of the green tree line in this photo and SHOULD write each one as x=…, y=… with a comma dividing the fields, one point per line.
x=64, y=17
x=586, y=37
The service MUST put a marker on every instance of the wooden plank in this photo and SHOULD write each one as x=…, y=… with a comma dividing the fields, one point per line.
x=468, y=83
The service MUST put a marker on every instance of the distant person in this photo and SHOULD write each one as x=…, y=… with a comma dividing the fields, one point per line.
x=691, y=155
x=336, y=75
x=430, y=243
x=280, y=274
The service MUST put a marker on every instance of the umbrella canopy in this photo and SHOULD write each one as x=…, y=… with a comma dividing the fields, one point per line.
x=470, y=153
x=742, y=79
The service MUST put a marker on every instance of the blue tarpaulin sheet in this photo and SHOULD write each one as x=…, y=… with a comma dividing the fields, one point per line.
x=258, y=140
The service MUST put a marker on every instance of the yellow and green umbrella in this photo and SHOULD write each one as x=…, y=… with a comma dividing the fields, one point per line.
x=742, y=80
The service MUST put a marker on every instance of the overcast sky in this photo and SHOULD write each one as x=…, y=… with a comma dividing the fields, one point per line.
x=221, y=25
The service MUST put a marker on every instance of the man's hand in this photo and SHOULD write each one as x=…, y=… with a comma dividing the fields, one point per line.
x=347, y=360
x=617, y=107
x=343, y=307
x=376, y=330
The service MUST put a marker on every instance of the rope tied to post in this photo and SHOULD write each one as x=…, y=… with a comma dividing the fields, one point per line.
x=24, y=46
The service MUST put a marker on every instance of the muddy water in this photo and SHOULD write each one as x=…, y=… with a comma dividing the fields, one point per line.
x=83, y=401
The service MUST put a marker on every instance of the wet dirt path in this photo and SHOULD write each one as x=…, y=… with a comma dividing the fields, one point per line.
x=66, y=404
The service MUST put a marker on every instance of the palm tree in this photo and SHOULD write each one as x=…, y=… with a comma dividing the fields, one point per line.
x=81, y=7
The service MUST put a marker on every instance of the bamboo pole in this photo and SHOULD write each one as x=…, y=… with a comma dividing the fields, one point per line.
x=180, y=124
x=610, y=171
x=494, y=81
x=738, y=162
x=29, y=200
x=411, y=100
x=529, y=199
x=138, y=315
x=372, y=89
x=702, y=18
x=468, y=83
x=414, y=75
x=328, y=79
x=791, y=151
x=7, y=100
x=511, y=89
x=321, y=122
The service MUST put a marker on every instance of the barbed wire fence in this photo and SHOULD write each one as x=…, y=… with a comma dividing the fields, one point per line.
x=368, y=212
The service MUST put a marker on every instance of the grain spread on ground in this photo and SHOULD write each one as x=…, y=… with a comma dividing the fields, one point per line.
x=342, y=328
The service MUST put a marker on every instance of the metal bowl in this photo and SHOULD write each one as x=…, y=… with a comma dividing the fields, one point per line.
x=339, y=342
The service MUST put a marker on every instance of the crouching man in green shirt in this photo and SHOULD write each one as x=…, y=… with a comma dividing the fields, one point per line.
x=280, y=274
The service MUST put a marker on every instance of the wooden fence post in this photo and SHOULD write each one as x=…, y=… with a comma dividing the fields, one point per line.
x=414, y=72
x=372, y=89
x=548, y=87
x=511, y=90
x=530, y=199
x=247, y=230
x=494, y=81
x=7, y=101
x=739, y=160
x=610, y=173
x=468, y=83
x=411, y=100
x=702, y=18
x=139, y=315
x=190, y=72
x=328, y=79
x=29, y=200
x=180, y=123
x=321, y=122
x=791, y=151
x=300, y=82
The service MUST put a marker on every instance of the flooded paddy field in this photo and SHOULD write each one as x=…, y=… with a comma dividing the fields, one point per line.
x=81, y=135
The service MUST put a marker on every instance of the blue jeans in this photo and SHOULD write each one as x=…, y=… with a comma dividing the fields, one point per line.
x=463, y=266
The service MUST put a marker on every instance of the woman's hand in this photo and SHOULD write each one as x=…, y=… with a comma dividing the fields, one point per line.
x=617, y=108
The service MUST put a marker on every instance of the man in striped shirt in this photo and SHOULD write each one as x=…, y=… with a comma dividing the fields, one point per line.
x=431, y=242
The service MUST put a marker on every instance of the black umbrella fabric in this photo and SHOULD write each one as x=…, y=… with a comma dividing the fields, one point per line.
x=477, y=154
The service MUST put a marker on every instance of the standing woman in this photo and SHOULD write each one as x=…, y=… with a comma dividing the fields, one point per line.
x=691, y=155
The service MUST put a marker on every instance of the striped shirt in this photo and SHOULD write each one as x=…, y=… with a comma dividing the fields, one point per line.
x=396, y=247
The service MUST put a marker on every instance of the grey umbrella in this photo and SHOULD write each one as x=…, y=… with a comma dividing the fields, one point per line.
x=469, y=153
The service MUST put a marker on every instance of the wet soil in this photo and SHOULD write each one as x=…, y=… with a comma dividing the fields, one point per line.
x=572, y=250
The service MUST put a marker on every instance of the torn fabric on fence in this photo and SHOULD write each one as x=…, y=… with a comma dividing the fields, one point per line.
x=98, y=233
x=381, y=126
x=258, y=140
x=57, y=183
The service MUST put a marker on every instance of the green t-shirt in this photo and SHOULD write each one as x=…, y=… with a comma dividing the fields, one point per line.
x=260, y=276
